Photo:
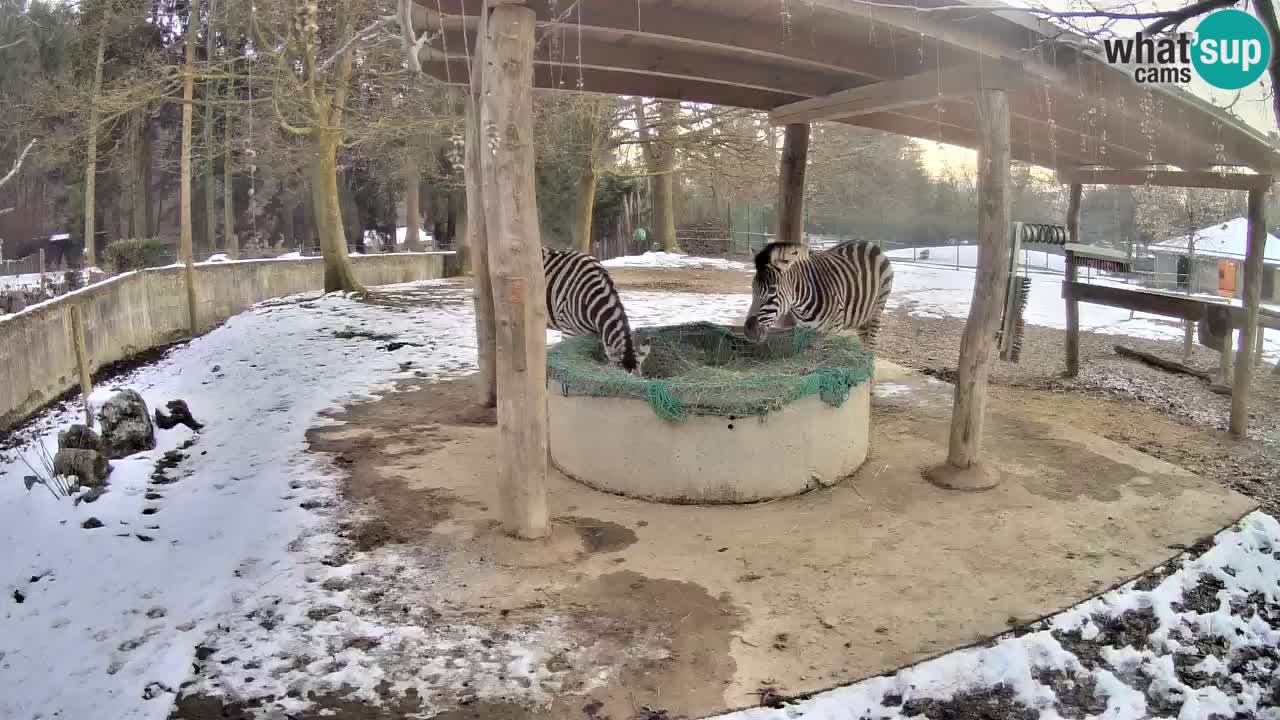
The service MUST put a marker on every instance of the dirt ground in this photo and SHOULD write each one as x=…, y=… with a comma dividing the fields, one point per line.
x=1172, y=417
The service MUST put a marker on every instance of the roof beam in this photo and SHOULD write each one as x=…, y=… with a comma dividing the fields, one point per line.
x=922, y=89
x=1165, y=178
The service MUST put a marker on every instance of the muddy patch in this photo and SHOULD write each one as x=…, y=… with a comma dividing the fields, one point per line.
x=600, y=536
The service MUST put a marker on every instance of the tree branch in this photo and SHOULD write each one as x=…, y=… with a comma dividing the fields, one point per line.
x=17, y=164
x=1177, y=17
x=15, y=43
x=361, y=36
x=1267, y=13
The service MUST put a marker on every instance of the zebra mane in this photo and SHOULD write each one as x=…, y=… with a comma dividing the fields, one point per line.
x=780, y=255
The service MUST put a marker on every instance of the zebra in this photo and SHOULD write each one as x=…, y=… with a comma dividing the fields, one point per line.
x=841, y=288
x=582, y=300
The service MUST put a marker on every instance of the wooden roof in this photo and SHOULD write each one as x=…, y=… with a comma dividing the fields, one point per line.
x=1069, y=108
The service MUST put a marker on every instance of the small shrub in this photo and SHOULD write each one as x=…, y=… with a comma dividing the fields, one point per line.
x=137, y=253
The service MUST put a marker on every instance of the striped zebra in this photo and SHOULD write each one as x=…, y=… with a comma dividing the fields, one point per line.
x=581, y=300
x=842, y=288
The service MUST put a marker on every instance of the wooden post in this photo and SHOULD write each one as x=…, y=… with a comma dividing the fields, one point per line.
x=1259, y=345
x=1250, y=333
x=795, y=157
x=961, y=470
x=1226, y=357
x=82, y=361
x=515, y=256
x=40, y=260
x=1075, y=203
x=475, y=251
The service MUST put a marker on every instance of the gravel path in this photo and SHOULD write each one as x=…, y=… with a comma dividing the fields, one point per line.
x=1132, y=391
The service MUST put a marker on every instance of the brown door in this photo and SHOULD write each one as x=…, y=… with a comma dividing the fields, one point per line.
x=1226, y=278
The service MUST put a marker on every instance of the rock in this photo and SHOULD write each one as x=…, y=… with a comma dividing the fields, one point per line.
x=79, y=437
x=126, y=425
x=91, y=523
x=89, y=466
x=179, y=414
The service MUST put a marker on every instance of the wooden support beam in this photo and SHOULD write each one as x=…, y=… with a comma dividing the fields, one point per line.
x=795, y=157
x=1239, y=425
x=82, y=361
x=1075, y=205
x=1160, y=303
x=515, y=256
x=1165, y=178
x=961, y=470
x=921, y=89
x=475, y=250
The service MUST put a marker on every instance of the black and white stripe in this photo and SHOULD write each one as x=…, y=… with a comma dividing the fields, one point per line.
x=841, y=288
x=582, y=300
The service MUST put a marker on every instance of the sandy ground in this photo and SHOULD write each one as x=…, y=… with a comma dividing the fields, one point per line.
x=1173, y=417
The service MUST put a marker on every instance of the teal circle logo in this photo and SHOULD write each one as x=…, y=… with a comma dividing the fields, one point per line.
x=1232, y=49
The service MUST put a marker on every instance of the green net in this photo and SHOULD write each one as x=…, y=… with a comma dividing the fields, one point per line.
x=706, y=369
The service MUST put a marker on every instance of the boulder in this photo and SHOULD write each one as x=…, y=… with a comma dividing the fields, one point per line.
x=179, y=414
x=79, y=437
x=126, y=425
x=89, y=466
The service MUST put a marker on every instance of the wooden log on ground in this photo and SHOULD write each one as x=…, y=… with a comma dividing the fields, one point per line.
x=795, y=157
x=475, y=251
x=1156, y=361
x=515, y=256
x=961, y=470
x=1239, y=425
x=1074, y=206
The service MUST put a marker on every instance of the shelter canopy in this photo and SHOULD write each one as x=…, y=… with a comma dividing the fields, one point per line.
x=1069, y=108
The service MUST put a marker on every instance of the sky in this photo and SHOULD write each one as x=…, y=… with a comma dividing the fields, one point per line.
x=1253, y=105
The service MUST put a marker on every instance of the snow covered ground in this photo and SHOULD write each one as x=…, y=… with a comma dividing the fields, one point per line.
x=1201, y=644
x=936, y=288
x=107, y=621
x=659, y=259
x=110, y=617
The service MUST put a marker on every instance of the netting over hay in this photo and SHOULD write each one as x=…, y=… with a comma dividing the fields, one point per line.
x=705, y=369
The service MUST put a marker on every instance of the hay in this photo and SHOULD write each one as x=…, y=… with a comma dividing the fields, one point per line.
x=705, y=369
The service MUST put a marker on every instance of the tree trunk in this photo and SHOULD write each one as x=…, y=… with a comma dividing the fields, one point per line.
x=210, y=91
x=511, y=216
x=969, y=407
x=585, y=206
x=451, y=217
x=338, y=273
x=231, y=241
x=412, y=214
x=152, y=220
x=791, y=171
x=287, y=212
x=1253, y=268
x=138, y=125
x=91, y=165
x=664, y=211
x=184, y=217
x=474, y=251
x=1075, y=205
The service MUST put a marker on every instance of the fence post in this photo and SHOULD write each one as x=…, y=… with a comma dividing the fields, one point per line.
x=41, y=261
x=82, y=360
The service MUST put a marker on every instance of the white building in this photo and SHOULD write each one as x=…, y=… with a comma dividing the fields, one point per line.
x=1219, y=252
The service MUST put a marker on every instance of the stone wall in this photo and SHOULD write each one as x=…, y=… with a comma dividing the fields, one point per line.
x=141, y=310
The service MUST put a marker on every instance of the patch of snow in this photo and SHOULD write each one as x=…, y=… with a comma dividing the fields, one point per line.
x=890, y=389
x=218, y=258
x=660, y=259
x=295, y=255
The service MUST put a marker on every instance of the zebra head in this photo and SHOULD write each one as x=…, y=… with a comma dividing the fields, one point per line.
x=772, y=291
x=630, y=356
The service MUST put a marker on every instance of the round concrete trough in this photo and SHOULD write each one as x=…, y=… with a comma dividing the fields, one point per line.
x=620, y=446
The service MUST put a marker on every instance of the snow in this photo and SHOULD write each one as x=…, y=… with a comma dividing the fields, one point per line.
x=402, y=233
x=1226, y=240
x=943, y=292
x=111, y=615
x=1240, y=559
x=660, y=259
x=109, y=623
x=966, y=256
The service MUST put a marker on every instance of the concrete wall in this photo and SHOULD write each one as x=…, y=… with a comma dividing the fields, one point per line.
x=141, y=310
x=621, y=446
